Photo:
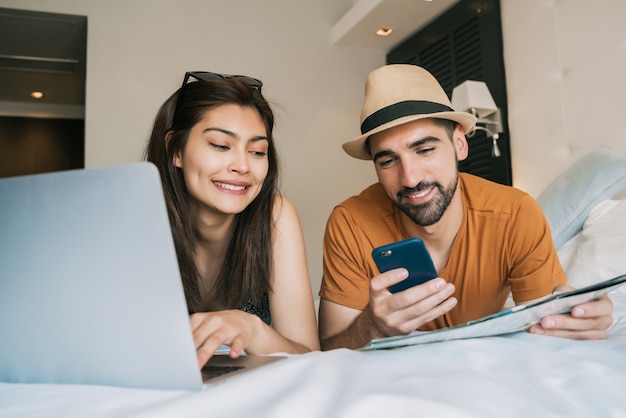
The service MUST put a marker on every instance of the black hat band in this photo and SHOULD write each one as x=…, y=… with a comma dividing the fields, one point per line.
x=400, y=110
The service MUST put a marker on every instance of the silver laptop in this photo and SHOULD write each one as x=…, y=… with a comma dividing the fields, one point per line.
x=90, y=291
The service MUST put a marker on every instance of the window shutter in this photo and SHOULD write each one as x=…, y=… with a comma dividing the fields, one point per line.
x=465, y=43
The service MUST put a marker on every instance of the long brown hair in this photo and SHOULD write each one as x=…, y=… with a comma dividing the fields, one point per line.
x=244, y=273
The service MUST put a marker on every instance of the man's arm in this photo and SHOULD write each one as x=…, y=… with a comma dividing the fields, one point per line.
x=589, y=320
x=386, y=314
x=343, y=327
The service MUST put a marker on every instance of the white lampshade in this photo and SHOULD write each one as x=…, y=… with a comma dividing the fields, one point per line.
x=473, y=95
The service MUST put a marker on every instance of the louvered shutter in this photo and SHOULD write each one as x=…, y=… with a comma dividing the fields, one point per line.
x=465, y=43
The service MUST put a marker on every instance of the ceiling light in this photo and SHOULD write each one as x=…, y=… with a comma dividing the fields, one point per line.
x=36, y=95
x=384, y=31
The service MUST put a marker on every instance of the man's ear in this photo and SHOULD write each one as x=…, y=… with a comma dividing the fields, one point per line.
x=460, y=143
x=177, y=158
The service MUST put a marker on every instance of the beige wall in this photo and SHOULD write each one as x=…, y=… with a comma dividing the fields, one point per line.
x=564, y=61
x=138, y=51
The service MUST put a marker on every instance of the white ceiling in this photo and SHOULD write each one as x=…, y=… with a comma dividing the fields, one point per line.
x=358, y=25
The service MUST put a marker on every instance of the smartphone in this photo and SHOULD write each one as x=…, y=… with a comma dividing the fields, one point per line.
x=412, y=255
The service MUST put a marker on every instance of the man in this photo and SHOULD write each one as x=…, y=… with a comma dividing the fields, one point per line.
x=485, y=239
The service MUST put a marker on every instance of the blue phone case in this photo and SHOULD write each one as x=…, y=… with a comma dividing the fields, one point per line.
x=412, y=255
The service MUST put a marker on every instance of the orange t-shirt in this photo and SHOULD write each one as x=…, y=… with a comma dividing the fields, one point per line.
x=503, y=245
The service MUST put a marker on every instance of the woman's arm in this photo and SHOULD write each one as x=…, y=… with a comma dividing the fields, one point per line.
x=294, y=327
x=291, y=298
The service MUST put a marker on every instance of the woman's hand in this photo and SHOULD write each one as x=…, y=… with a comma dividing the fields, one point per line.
x=211, y=330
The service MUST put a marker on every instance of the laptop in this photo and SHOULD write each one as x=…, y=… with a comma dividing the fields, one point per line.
x=90, y=291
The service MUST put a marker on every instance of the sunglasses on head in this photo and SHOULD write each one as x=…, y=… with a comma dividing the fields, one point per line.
x=208, y=76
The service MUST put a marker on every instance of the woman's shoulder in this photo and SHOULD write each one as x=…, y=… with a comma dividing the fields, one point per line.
x=282, y=203
x=286, y=230
x=284, y=210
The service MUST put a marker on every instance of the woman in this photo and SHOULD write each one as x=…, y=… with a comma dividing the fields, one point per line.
x=239, y=243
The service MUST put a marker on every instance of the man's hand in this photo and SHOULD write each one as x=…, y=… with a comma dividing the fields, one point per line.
x=403, y=312
x=587, y=321
x=386, y=314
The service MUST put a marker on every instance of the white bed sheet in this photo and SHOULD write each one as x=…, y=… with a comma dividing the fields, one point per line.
x=519, y=375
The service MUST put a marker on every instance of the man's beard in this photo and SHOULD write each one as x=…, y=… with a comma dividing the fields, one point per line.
x=428, y=213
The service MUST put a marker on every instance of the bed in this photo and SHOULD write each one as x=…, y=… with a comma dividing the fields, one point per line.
x=516, y=375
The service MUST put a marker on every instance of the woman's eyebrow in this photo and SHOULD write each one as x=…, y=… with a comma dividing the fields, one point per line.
x=234, y=135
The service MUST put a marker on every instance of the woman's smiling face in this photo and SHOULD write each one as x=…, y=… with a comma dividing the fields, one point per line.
x=224, y=161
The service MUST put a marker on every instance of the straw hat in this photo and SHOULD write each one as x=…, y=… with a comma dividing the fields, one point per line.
x=401, y=93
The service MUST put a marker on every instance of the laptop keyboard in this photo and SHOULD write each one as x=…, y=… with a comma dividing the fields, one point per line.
x=210, y=372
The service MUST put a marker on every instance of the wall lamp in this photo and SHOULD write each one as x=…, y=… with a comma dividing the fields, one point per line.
x=474, y=97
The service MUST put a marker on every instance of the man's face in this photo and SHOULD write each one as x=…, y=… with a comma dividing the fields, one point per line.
x=416, y=163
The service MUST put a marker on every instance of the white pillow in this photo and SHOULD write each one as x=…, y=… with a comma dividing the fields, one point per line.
x=568, y=199
x=598, y=252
